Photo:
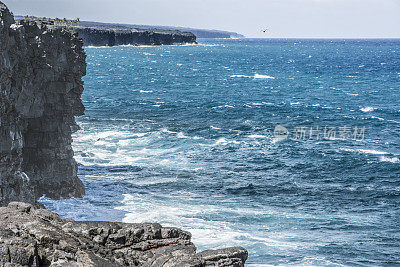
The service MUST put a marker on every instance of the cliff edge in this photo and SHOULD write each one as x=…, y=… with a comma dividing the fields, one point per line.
x=41, y=70
x=119, y=35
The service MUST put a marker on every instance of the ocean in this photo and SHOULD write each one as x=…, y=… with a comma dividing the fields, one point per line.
x=289, y=148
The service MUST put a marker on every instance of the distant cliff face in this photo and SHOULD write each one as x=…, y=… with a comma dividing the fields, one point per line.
x=101, y=36
x=41, y=71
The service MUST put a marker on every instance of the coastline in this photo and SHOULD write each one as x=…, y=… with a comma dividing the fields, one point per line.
x=40, y=100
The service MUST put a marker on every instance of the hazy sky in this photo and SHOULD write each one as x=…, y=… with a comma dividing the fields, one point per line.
x=283, y=18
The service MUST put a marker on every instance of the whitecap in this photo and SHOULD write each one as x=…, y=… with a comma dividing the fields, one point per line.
x=367, y=109
x=181, y=135
x=224, y=106
x=239, y=76
x=164, y=130
x=259, y=76
x=224, y=142
x=387, y=159
x=352, y=94
x=365, y=151
x=257, y=136
x=372, y=151
x=144, y=91
x=379, y=118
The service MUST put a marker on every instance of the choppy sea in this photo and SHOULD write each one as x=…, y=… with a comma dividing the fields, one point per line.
x=289, y=148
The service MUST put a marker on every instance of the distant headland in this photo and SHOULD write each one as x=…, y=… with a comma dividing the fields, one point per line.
x=94, y=34
x=108, y=34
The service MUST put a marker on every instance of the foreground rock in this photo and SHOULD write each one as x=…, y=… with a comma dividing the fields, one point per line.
x=41, y=69
x=38, y=237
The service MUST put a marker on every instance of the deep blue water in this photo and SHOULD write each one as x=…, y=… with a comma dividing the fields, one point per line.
x=184, y=136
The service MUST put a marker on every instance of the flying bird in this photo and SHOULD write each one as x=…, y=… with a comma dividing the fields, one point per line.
x=265, y=30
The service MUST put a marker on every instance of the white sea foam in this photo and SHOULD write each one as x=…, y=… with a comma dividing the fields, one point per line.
x=240, y=76
x=367, y=109
x=351, y=94
x=185, y=212
x=255, y=76
x=224, y=142
x=256, y=136
x=92, y=46
x=181, y=135
x=144, y=91
x=372, y=151
x=365, y=151
x=387, y=159
x=259, y=76
x=224, y=106
x=164, y=130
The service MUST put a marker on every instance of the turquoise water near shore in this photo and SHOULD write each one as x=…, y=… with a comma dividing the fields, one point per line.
x=184, y=136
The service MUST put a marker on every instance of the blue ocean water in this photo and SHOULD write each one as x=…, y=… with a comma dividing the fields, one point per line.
x=184, y=136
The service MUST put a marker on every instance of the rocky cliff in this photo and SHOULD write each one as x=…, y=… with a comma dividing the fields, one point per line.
x=111, y=36
x=37, y=237
x=41, y=69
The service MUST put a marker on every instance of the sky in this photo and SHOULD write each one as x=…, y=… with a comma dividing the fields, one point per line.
x=282, y=18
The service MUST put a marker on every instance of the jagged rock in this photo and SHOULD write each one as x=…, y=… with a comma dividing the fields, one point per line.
x=234, y=257
x=41, y=69
x=38, y=237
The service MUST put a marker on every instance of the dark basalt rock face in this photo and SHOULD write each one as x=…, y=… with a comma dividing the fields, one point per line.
x=41, y=69
x=38, y=237
x=103, y=36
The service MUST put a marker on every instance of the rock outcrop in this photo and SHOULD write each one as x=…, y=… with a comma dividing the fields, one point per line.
x=38, y=237
x=41, y=69
x=107, y=36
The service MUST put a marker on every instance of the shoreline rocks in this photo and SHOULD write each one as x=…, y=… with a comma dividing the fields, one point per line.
x=38, y=237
